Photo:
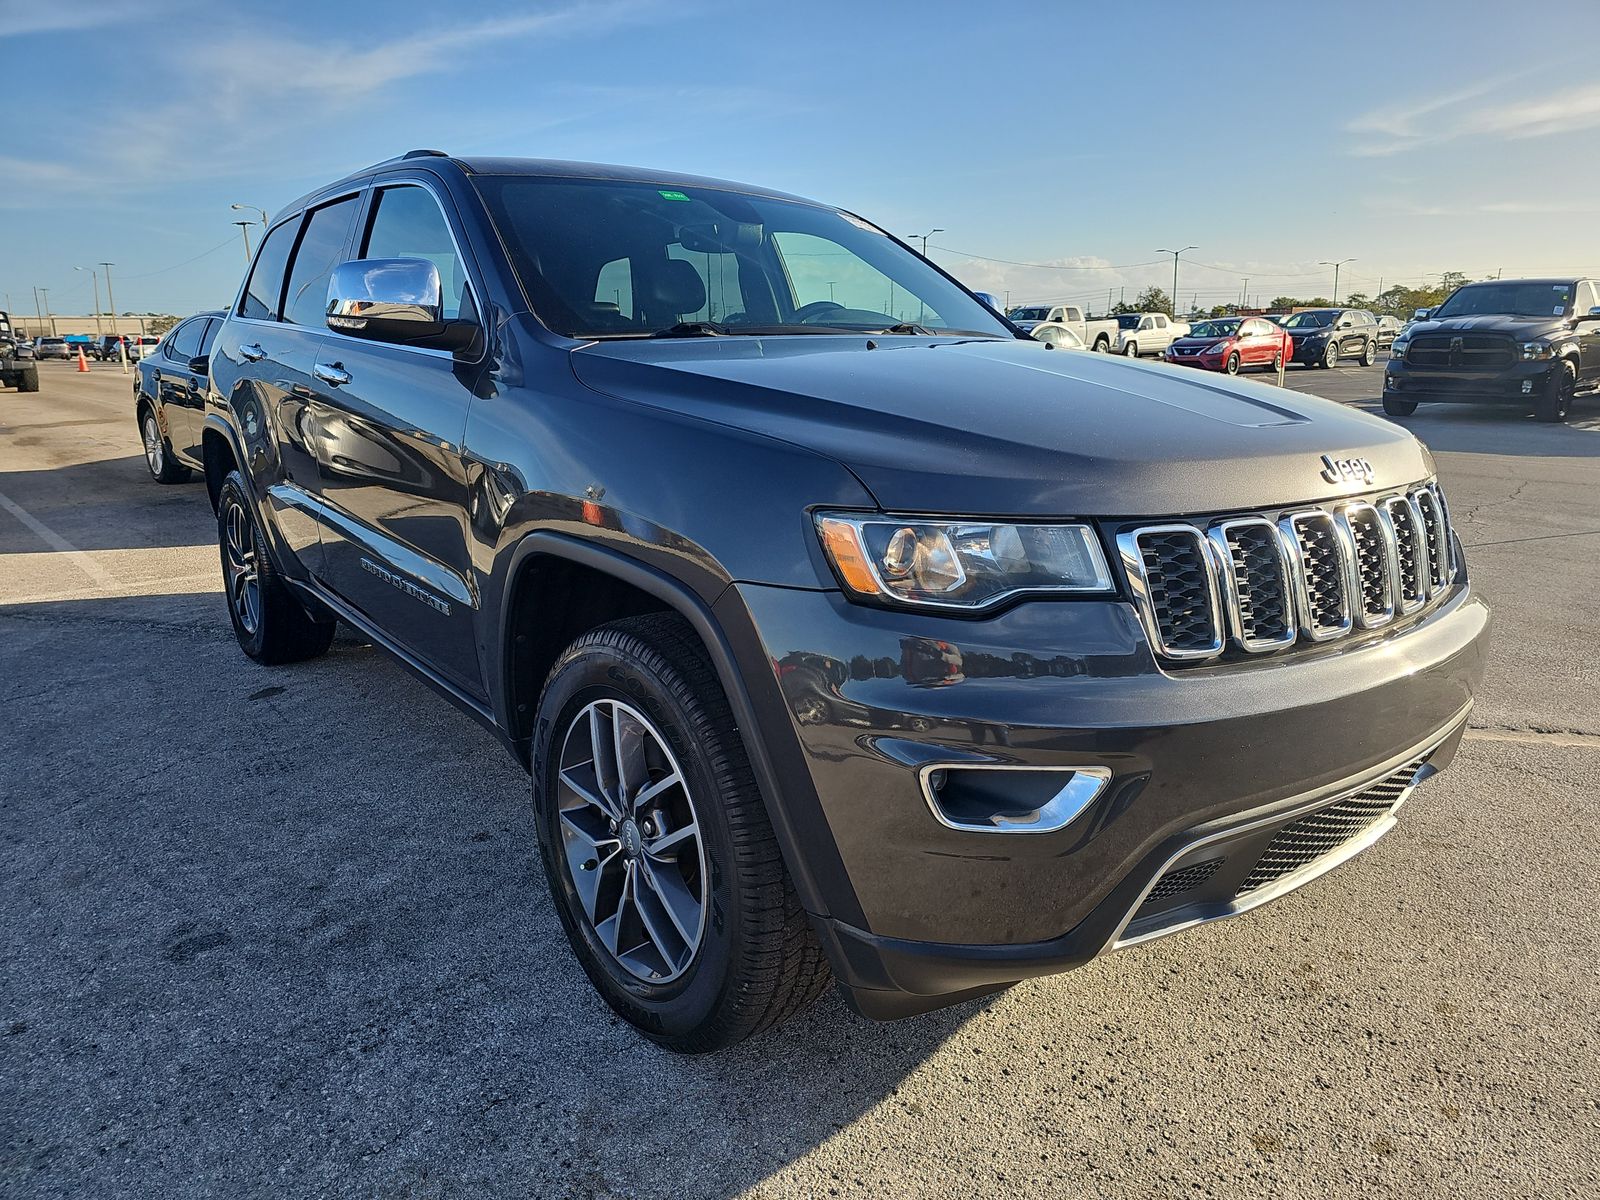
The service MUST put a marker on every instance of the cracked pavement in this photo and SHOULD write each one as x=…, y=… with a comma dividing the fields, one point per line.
x=282, y=931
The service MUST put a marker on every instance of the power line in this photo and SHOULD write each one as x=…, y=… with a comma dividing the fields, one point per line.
x=1010, y=262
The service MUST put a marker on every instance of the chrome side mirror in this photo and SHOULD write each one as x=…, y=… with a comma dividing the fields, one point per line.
x=1421, y=314
x=394, y=300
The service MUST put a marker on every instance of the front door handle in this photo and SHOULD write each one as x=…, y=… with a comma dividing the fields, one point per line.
x=331, y=373
x=252, y=353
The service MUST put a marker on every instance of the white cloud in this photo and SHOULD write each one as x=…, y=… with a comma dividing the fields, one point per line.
x=1486, y=110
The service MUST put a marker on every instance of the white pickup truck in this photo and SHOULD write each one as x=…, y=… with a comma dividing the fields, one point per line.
x=1147, y=333
x=1043, y=320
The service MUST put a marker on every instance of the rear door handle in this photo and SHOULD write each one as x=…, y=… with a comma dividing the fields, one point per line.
x=252, y=353
x=332, y=373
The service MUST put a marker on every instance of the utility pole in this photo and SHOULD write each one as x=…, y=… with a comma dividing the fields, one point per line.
x=37, y=314
x=1175, y=253
x=1244, y=295
x=95, y=277
x=831, y=282
x=1108, y=300
x=1336, y=266
x=244, y=228
x=111, y=299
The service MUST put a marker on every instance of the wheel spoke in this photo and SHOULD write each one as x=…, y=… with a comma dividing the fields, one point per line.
x=627, y=745
x=682, y=909
x=670, y=942
x=643, y=799
x=591, y=861
x=602, y=755
x=659, y=847
x=592, y=796
x=610, y=930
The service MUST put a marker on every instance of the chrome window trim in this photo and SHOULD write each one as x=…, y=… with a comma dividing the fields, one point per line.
x=1065, y=807
x=1139, y=585
x=1288, y=526
x=1223, y=548
x=1285, y=813
x=1346, y=515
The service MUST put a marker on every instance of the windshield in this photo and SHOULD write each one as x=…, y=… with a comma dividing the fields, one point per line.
x=1309, y=320
x=1509, y=300
x=1029, y=314
x=1128, y=321
x=602, y=258
x=1214, y=329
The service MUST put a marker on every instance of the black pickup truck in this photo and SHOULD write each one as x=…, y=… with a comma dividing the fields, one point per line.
x=16, y=370
x=1528, y=342
x=845, y=632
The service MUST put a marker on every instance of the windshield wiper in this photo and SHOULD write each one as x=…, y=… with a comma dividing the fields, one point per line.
x=691, y=329
x=904, y=327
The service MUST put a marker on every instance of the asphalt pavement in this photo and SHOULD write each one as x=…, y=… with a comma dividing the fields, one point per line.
x=284, y=932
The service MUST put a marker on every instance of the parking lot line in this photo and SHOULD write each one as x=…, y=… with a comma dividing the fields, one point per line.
x=56, y=542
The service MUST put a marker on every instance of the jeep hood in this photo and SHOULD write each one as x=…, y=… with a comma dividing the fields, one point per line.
x=1012, y=428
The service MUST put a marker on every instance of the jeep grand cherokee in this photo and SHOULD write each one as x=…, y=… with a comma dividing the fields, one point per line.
x=844, y=633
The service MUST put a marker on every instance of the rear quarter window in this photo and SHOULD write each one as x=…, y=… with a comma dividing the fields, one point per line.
x=265, y=289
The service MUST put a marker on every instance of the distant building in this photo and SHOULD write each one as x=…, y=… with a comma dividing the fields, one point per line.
x=57, y=326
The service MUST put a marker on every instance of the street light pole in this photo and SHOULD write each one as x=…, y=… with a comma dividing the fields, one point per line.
x=1175, y=253
x=95, y=278
x=925, y=237
x=244, y=228
x=48, y=315
x=110, y=298
x=1336, y=266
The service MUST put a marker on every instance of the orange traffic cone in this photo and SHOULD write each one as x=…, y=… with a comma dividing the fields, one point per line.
x=83, y=363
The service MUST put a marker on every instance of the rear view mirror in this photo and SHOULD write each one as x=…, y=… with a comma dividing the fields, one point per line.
x=720, y=237
x=1421, y=314
x=394, y=300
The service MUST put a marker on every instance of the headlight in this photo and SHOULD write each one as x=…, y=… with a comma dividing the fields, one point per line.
x=1216, y=348
x=959, y=564
x=1534, y=351
x=1397, y=348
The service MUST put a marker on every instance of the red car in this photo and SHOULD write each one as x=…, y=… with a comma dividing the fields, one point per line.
x=1232, y=343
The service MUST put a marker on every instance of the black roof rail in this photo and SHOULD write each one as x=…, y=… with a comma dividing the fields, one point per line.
x=424, y=154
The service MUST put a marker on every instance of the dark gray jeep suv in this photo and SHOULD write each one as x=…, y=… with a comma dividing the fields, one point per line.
x=844, y=632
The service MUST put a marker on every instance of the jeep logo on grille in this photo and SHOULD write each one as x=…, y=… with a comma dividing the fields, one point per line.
x=1346, y=470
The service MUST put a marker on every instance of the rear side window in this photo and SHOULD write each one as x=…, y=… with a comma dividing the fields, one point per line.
x=184, y=343
x=265, y=289
x=321, y=249
x=406, y=223
x=210, y=335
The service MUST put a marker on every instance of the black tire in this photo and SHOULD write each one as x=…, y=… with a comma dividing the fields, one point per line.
x=1130, y=349
x=1232, y=365
x=1102, y=345
x=757, y=960
x=1554, y=401
x=163, y=467
x=1369, y=353
x=276, y=628
x=1398, y=408
x=28, y=381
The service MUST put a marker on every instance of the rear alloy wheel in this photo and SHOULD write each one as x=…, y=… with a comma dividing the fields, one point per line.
x=271, y=624
x=656, y=843
x=1554, y=402
x=1369, y=353
x=1232, y=365
x=1102, y=345
x=158, y=454
x=1277, y=362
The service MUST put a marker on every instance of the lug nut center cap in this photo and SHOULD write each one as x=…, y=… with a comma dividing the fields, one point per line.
x=632, y=839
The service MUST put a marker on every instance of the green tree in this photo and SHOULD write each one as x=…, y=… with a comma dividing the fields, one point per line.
x=1152, y=299
x=159, y=325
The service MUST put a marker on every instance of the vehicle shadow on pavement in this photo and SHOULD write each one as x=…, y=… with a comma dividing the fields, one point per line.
x=1478, y=429
x=290, y=924
x=108, y=504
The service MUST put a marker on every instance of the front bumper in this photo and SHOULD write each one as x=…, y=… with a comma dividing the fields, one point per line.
x=1206, y=362
x=1518, y=383
x=1308, y=351
x=918, y=913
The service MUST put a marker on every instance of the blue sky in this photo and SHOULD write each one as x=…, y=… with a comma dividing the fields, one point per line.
x=1414, y=138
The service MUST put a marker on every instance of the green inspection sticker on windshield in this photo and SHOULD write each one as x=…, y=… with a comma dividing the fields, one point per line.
x=673, y=196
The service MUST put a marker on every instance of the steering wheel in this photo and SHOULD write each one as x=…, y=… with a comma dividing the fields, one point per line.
x=815, y=309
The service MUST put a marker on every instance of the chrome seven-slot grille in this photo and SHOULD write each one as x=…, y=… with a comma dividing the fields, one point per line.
x=1314, y=574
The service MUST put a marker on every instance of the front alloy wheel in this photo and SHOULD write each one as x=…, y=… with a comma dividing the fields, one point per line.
x=631, y=839
x=1232, y=367
x=1330, y=355
x=1130, y=349
x=1554, y=402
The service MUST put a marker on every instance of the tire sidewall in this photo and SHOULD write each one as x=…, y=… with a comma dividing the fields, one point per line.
x=232, y=493
x=594, y=671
